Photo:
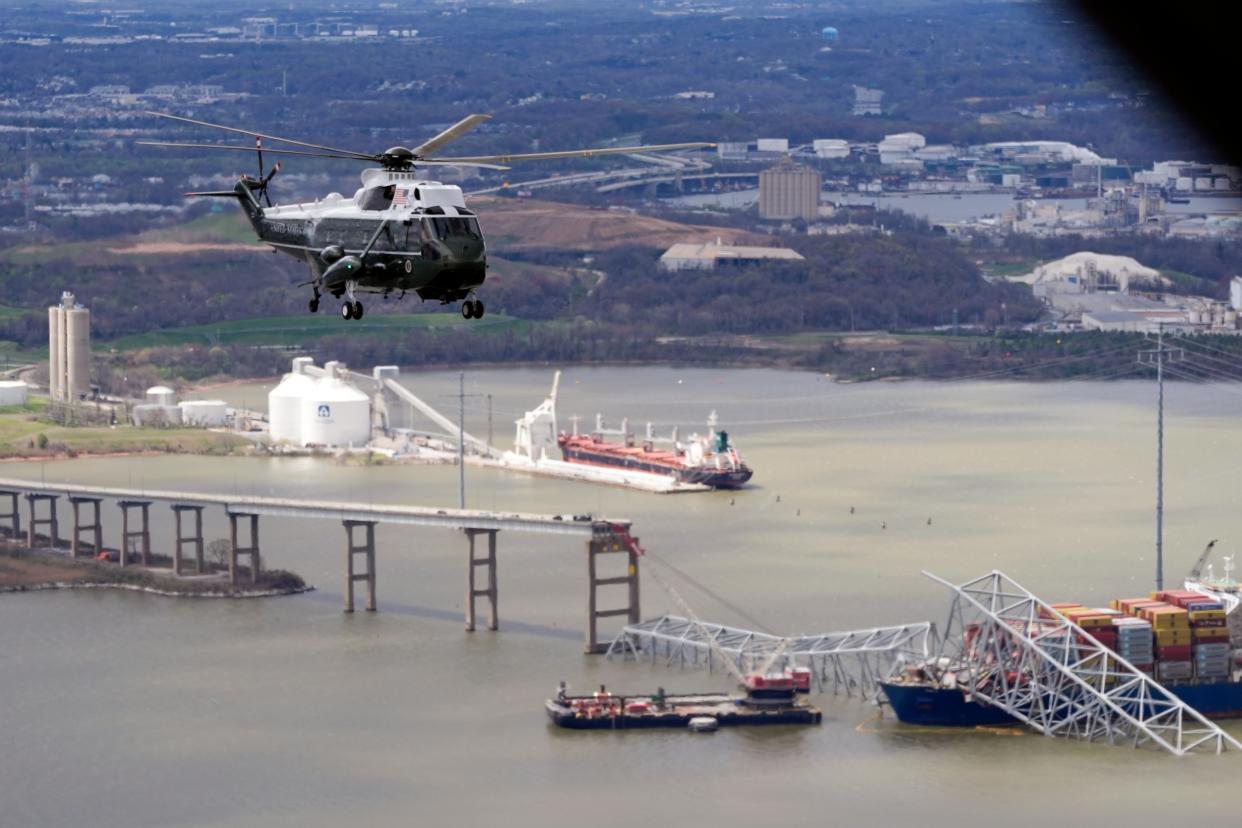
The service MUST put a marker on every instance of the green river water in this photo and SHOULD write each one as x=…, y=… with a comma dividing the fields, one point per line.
x=119, y=709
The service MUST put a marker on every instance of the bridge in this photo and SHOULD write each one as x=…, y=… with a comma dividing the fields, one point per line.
x=480, y=527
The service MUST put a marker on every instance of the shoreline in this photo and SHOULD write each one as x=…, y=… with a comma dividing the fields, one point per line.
x=167, y=593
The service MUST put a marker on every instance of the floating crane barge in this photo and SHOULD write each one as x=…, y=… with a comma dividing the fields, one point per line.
x=767, y=700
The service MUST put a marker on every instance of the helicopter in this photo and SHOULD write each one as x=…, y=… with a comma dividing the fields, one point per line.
x=399, y=232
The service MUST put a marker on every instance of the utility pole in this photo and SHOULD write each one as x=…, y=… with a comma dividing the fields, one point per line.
x=461, y=440
x=1159, y=356
x=461, y=437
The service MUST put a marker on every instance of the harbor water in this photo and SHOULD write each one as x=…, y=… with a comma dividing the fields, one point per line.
x=123, y=709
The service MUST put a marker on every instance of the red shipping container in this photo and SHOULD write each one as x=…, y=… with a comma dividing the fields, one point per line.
x=1176, y=652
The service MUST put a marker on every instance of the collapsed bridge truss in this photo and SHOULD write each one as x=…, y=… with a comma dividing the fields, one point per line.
x=841, y=662
x=1006, y=647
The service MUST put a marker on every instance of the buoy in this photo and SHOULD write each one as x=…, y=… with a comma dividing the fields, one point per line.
x=703, y=724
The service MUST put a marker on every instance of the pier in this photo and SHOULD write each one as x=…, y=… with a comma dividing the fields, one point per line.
x=603, y=539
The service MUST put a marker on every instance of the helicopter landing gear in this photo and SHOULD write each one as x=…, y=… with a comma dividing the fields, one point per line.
x=472, y=309
x=351, y=310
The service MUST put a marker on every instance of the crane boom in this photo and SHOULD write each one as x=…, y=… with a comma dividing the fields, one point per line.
x=1196, y=571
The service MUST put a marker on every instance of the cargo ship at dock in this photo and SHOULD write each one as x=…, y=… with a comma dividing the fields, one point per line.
x=707, y=460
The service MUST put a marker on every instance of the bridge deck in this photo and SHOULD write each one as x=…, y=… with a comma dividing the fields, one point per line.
x=338, y=510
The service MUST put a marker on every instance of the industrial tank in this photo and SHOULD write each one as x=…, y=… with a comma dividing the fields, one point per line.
x=78, y=352
x=161, y=395
x=153, y=414
x=284, y=407
x=54, y=338
x=12, y=392
x=334, y=413
x=203, y=413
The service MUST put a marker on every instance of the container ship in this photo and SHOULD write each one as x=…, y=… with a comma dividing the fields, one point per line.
x=1179, y=637
x=706, y=460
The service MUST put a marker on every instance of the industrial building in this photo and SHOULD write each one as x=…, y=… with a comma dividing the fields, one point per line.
x=715, y=254
x=867, y=101
x=69, y=350
x=12, y=392
x=161, y=410
x=789, y=191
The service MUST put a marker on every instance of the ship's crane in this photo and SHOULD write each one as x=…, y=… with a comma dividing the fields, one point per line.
x=1196, y=571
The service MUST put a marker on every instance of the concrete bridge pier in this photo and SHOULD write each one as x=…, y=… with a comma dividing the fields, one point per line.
x=13, y=517
x=141, y=535
x=490, y=591
x=94, y=528
x=236, y=551
x=53, y=533
x=610, y=544
x=366, y=548
x=182, y=539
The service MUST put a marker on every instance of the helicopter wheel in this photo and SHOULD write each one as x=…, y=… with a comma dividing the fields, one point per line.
x=347, y=311
x=314, y=306
x=478, y=309
x=467, y=309
x=357, y=310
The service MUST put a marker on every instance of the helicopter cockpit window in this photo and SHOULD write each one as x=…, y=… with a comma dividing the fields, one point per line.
x=378, y=198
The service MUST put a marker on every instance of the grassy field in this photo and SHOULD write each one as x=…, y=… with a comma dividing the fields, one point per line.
x=298, y=330
x=1008, y=270
x=20, y=431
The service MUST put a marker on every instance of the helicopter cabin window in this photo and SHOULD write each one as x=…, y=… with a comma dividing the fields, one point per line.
x=378, y=198
x=450, y=226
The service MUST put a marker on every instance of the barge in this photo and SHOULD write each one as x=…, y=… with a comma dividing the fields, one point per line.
x=768, y=700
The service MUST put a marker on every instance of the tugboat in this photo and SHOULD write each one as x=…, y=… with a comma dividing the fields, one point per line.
x=768, y=699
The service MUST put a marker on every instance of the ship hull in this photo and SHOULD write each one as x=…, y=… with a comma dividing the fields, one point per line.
x=924, y=705
x=705, y=476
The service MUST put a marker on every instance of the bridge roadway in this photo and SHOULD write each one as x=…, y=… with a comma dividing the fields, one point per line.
x=602, y=536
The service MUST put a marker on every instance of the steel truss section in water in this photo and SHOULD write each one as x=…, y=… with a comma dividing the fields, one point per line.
x=843, y=662
x=1006, y=647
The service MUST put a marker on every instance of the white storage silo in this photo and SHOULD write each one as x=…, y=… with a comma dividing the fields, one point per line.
x=284, y=407
x=203, y=413
x=12, y=392
x=54, y=337
x=161, y=395
x=78, y=352
x=334, y=413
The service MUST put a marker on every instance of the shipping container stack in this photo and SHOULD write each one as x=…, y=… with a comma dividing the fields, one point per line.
x=1209, y=635
x=1171, y=626
x=1175, y=635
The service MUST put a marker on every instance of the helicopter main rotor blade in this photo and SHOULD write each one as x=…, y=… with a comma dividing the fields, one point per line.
x=451, y=134
x=248, y=149
x=588, y=153
x=364, y=156
x=456, y=163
